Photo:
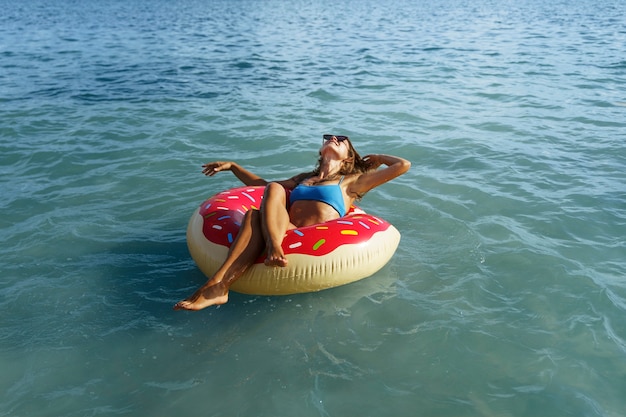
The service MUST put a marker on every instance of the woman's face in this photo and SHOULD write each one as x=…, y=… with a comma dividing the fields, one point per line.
x=335, y=148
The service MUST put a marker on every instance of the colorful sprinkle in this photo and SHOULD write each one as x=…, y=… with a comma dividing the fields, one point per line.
x=364, y=225
x=206, y=216
x=223, y=217
x=298, y=232
x=344, y=222
x=321, y=227
x=217, y=226
x=349, y=232
x=318, y=244
x=249, y=196
x=295, y=245
x=230, y=238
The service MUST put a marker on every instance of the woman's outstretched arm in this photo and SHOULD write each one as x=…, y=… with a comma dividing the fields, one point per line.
x=245, y=176
x=394, y=167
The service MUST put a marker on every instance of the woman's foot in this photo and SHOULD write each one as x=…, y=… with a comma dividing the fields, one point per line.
x=214, y=294
x=275, y=256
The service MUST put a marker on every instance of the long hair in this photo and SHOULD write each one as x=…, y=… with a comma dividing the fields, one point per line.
x=354, y=164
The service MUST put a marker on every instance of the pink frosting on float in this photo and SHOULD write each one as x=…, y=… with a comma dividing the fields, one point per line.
x=224, y=212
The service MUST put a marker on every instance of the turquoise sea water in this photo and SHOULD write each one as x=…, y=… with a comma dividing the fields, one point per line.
x=506, y=297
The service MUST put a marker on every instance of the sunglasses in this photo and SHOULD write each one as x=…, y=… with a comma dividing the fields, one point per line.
x=340, y=138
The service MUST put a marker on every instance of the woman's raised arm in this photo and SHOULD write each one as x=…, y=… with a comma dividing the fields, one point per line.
x=395, y=166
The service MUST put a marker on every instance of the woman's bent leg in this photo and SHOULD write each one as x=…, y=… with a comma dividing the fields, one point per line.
x=275, y=222
x=246, y=248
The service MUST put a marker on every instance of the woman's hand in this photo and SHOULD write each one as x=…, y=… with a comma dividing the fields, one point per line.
x=213, y=168
x=373, y=161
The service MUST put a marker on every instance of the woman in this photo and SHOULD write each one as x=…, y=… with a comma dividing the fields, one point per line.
x=340, y=177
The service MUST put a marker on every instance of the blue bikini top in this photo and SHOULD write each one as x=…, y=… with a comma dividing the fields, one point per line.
x=329, y=194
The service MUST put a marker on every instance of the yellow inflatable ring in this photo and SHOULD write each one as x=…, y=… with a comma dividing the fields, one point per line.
x=321, y=256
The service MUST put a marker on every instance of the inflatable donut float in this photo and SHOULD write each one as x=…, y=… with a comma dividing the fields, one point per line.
x=320, y=256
